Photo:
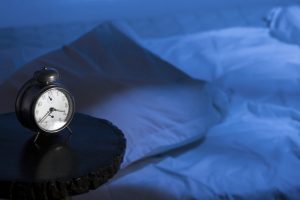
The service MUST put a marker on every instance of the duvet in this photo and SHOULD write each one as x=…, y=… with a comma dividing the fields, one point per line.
x=253, y=152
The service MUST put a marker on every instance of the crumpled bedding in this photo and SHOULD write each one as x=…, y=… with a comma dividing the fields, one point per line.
x=253, y=153
x=284, y=23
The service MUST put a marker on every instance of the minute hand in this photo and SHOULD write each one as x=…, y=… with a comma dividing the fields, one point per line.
x=45, y=116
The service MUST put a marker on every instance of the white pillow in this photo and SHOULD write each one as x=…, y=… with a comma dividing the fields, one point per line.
x=156, y=106
x=209, y=55
x=284, y=23
x=244, y=61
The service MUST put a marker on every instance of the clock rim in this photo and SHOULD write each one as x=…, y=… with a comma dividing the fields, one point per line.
x=69, y=97
x=20, y=108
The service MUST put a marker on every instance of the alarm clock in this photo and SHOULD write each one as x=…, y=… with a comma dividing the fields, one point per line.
x=43, y=105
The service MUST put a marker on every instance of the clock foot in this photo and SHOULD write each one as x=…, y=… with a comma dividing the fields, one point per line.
x=70, y=130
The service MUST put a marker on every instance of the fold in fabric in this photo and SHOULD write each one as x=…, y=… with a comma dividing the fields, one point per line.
x=284, y=24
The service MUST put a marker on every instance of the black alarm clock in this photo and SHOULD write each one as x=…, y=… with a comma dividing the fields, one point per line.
x=43, y=105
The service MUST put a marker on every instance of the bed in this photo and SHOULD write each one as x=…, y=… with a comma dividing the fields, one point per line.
x=209, y=112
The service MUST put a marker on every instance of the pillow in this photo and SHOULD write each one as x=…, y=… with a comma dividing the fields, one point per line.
x=244, y=61
x=156, y=106
x=284, y=23
x=209, y=55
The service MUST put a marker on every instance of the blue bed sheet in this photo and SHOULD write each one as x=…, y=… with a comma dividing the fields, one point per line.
x=254, y=152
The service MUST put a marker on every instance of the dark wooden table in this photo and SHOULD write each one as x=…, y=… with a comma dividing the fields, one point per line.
x=58, y=166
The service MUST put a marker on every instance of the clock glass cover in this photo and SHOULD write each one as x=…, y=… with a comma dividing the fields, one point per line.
x=52, y=110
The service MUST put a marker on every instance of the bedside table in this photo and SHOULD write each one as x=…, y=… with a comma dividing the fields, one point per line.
x=58, y=166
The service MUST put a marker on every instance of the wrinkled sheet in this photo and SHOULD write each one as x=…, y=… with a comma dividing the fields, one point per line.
x=284, y=23
x=254, y=152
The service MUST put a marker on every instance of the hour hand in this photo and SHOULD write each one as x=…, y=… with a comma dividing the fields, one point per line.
x=54, y=109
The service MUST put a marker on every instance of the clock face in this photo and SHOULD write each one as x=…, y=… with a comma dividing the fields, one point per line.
x=53, y=110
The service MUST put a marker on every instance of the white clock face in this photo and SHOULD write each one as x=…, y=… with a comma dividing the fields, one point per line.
x=51, y=111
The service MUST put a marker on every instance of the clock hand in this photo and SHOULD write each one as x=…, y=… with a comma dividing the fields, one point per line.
x=45, y=116
x=54, y=109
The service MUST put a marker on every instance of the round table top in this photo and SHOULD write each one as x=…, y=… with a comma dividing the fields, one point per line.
x=58, y=165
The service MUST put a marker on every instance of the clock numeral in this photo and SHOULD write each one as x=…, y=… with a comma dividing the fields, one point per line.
x=40, y=104
x=37, y=112
x=43, y=97
x=66, y=105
